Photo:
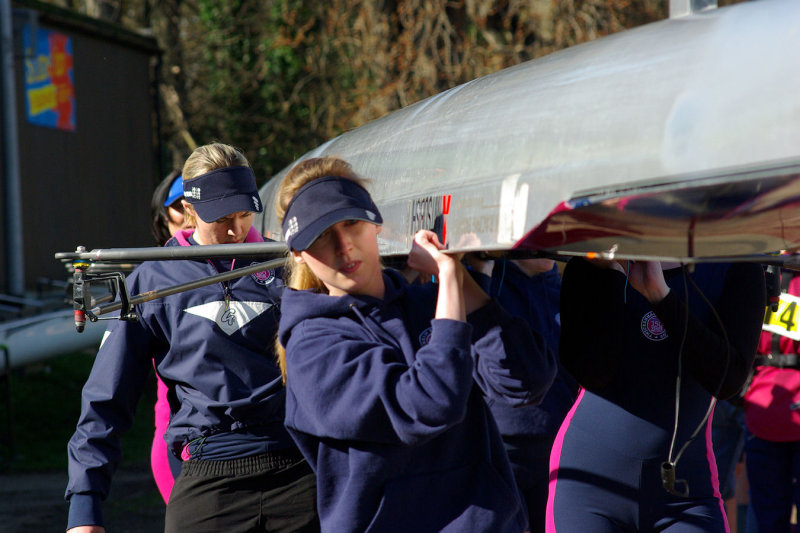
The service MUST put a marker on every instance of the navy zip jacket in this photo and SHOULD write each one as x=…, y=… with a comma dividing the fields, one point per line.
x=217, y=362
x=389, y=406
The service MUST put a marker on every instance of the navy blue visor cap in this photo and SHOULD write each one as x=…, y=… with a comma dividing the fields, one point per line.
x=320, y=204
x=222, y=192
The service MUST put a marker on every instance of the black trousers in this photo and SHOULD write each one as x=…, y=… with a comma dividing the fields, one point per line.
x=273, y=492
x=530, y=461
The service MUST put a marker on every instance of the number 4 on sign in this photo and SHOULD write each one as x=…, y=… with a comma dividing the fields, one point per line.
x=784, y=320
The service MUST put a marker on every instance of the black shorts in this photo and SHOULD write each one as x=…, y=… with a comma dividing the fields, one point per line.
x=273, y=492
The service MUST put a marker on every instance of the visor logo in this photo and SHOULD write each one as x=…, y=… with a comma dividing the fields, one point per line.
x=194, y=192
x=256, y=203
x=291, y=227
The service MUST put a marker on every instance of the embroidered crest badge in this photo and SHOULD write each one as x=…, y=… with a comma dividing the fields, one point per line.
x=652, y=328
x=425, y=337
x=265, y=277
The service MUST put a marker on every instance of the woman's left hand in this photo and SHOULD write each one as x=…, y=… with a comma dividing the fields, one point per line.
x=425, y=256
x=647, y=277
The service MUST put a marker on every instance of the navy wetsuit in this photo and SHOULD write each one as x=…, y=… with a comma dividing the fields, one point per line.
x=606, y=461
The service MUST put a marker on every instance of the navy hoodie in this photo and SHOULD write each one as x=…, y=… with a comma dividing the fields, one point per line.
x=536, y=299
x=216, y=361
x=389, y=406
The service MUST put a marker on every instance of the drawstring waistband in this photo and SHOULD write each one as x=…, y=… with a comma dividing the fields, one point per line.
x=244, y=465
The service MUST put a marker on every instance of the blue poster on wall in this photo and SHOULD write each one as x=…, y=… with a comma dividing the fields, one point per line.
x=49, y=88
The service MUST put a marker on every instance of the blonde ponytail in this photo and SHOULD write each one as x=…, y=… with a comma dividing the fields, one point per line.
x=299, y=277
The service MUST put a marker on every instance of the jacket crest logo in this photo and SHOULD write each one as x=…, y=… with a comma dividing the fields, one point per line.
x=425, y=337
x=229, y=316
x=265, y=277
x=652, y=328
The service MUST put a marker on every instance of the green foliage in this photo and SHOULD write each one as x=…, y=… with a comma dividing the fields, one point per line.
x=45, y=405
x=243, y=69
x=276, y=78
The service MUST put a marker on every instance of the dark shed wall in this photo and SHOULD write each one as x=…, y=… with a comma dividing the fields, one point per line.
x=90, y=187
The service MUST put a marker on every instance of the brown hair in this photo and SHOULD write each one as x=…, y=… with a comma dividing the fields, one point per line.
x=298, y=275
x=159, y=216
x=207, y=158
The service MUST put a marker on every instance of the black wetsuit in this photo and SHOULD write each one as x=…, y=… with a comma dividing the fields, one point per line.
x=606, y=461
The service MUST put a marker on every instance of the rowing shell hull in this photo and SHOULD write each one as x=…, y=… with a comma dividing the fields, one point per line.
x=35, y=339
x=680, y=138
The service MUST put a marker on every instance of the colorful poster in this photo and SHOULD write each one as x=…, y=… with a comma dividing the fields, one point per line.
x=49, y=88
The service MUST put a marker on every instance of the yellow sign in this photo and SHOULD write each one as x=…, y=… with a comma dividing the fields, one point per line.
x=784, y=320
x=42, y=99
x=49, y=86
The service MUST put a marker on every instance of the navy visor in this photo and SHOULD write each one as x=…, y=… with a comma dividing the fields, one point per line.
x=222, y=192
x=320, y=204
